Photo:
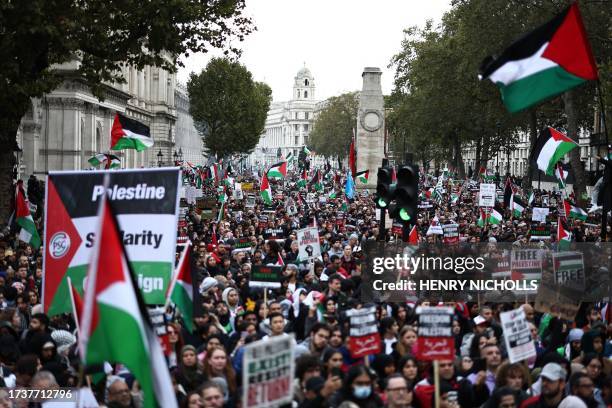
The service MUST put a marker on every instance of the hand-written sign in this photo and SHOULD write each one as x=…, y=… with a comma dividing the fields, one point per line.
x=517, y=336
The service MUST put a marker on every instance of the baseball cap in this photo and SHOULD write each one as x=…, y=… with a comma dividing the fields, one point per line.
x=553, y=372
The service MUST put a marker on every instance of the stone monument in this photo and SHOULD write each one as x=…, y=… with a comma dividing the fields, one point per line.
x=370, y=126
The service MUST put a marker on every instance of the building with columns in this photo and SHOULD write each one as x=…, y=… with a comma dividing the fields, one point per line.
x=288, y=124
x=66, y=127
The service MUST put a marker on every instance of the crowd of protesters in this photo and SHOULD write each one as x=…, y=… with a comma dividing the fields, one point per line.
x=573, y=367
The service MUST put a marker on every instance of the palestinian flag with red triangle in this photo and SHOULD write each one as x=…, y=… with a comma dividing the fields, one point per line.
x=28, y=233
x=363, y=176
x=130, y=134
x=265, y=190
x=303, y=181
x=564, y=236
x=550, y=60
x=413, y=237
x=550, y=147
x=181, y=289
x=115, y=325
x=77, y=304
x=278, y=170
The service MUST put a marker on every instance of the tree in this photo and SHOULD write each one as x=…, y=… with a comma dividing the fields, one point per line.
x=333, y=129
x=229, y=106
x=102, y=36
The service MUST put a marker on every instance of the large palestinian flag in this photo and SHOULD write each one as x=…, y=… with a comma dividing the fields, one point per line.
x=114, y=325
x=147, y=206
x=130, y=134
x=28, y=232
x=550, y=60
x=363, y=176
x=518, y=206
x=549, y=148
x=265, y=190
x=181, y=288
x=564, y=236
x=278, y=170
x=572, y=211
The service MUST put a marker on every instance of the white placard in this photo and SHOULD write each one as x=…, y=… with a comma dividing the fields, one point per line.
x=539, y=214
x=486, y=197
x=517, y=336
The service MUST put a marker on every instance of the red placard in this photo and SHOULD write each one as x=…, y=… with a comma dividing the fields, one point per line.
x=435, y=348
x=364, y=345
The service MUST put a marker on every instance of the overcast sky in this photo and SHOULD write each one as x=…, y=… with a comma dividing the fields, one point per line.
x=336, y=39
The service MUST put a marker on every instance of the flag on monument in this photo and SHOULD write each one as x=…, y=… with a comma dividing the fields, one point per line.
x=23, y=218
x=572, y=211
x=549, y=148
x=561, y=174
x=564, y=236
x=278, y=170
x=130, y=134
x=363, y=176
x=518, y=206
x=114, y=325
x=110, y=161
x=550, y=60
x=181, y=288
x=265, y=190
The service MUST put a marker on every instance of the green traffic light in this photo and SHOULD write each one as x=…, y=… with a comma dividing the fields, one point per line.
x=382, y=203
x=404, y=215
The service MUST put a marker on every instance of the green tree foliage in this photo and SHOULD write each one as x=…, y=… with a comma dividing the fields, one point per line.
x=103, y=36
x=333, y=129
x=228, y=107
x=438, y=104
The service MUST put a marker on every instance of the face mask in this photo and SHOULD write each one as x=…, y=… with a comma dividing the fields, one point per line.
x=362, y=391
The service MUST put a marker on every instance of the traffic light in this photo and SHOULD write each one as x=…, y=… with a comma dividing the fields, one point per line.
x=404, y=209
x=385, y=189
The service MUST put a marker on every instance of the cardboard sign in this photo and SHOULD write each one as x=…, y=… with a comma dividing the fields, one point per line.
x=146, y=204
x=247, y=186
x=268, y=367
x=539, y=214
x=364, y=338
x=568, y=269
x=517, y=336
x=308, y=239
x=486, y=197
x=451, y=233
x=263, y=276
x=435, y=341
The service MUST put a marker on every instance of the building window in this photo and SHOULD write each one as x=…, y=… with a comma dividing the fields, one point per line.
x=306, y=82
x=305, y=94
x=296, y=140
x=299, y=93
x=297, y=115
x=296, y=127
x=305, y=139
x=306, y=115
x=305, y=127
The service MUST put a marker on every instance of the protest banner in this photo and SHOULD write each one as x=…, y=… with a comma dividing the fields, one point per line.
x=397, y=228
x=265, y=276
x=146, y=204
x=517, y=336
x=268, y=367
x=435, y=337
x=486, y=196
x=247, y=187
x=451, y=233
x=526, y=265
x=250, y=202
x=308, y=240
x=425, y=204
x=364, y=338
x=539, y=232
x=502, y=268
x=243, y=244
x=568, y=270
x=274, y=233
x=539, y=214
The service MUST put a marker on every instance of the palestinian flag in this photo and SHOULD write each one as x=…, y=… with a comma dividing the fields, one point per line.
x=303, y=181
x=278, y=170
x=508, y=192
x=550, y=60
x=77, y=304
x=306, y=150
x=564, y=236
x=23, y=217
x=413, y=237
x=454, y=198
x=130, y=134
x=518, y=206
x=265, y=190
x=571, y=211
x=213, y=172
x=363, y=176
x=110, y=161
x=561, y=174
x=114, y=325
x=181, y=288
x=316, y=181
x=550, y=147
x=489, y=217
x=332, y=195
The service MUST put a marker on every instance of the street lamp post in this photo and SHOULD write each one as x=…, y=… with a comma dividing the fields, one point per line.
x=497, y=154
x=160, y=158
x=180, y=154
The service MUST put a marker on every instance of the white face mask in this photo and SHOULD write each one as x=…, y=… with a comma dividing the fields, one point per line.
x=362, y=391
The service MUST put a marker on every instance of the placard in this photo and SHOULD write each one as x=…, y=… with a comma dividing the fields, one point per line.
x=517, y=336
x=146, y=204
x=451, y=233
x=308, y=240
x=268, y=367
x=364, y=338
x=526, y=264
x=539, y=232
x=539, y=214
x=568, y=270
x=265, y=276
x=435, y=337
x=486, y=197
